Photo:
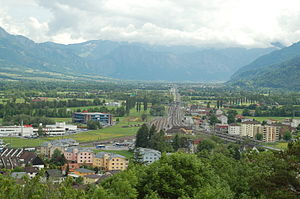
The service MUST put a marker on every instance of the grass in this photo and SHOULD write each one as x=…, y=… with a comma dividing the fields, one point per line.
x=260, y=119
x=56, y=119
x=125, y=153
x=94, y=135
x=278, y=145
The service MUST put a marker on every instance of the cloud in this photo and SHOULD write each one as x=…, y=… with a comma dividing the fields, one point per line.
x=216, y=23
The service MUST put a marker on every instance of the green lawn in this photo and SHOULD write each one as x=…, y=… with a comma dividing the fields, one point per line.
x=56, y=119
x=125, y=153
x=95, y=135
x=260, y=119
x=278, y=145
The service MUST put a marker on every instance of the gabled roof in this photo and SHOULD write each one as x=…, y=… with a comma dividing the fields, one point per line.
x=37, y=161
x=31, y=170
x=93, y=176
x=18, y=175
x=54, y=173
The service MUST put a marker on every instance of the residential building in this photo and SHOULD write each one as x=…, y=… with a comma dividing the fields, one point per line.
x=47, y=148
x=110, y=161
x=31, y=171
x=219, y=112
x=234, y=129
x=222, y=128
x=84, y=117
x=250, y=128
x=16, y=131
x=270, y=133
x=83, y=172
x=246, y=120
x=79, y=155
x=11, y=158
x=146, y=155
x=223, y=119
x=295, y=123
x=54, y=176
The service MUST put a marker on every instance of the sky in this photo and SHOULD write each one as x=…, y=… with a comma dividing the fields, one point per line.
x=207, y=23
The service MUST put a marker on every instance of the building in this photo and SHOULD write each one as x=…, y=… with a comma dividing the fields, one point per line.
x=250, y=128
x=84, y=117
x=54, y=176
x=110, y=161
x=12, y=158
x=63, y=125
x=79, y=155
x=146, y=155
x=221, y=128
x=16, y=131
x=48, y=148
x=234, y=129
x=114, y=104
x=223, y=119
x=295, y=123
x=219, y=112
x=270, y=133
x=83, y=172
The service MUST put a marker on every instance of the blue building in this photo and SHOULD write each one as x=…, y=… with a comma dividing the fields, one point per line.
x=84, y=117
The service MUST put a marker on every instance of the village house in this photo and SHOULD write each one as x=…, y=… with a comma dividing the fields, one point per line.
x=54, y=176
x=223, y=119
x=147, y=156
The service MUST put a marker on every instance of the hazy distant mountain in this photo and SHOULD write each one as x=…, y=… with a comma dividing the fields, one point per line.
x=122, y=60
x=279, y=69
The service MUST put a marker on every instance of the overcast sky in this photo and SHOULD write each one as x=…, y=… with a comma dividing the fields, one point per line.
x=218, y=23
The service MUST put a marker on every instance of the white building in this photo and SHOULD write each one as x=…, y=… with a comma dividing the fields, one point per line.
x=223, y=119
x=59, y=128
x=67, y=127
x=295, y=123
x=14, y=131
x=250, y=128
x=114, y=104
x=219, y=112
x=234, y=129
x=146, y=155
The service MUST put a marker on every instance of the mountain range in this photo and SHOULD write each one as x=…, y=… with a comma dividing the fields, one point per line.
x=22, y=58
x=278, y=69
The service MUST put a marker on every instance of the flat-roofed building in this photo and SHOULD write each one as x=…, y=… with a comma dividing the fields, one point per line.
x=234, y=129
x=15, y=131
x=84, y=117
x=270, y=133
x=250, y=128
x=110, y=161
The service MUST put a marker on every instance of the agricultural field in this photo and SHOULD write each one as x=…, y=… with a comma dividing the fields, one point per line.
x=280, y=119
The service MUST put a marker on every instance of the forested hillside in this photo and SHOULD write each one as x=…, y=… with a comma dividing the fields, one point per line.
x=279, y=69
x=21, y=57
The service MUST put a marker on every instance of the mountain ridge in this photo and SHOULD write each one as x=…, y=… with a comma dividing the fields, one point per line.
x=123, y=60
